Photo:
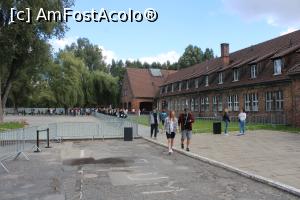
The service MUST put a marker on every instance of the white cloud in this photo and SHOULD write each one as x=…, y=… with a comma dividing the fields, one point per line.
x=283, y=13
x=108, y=54
x=171, y=56
x=58, y=44
x=289, y=30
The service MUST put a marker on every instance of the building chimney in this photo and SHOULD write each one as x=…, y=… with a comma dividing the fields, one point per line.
x=225, y=53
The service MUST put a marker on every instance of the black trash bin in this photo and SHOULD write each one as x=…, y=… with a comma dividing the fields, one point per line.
x=128, y=134
x=217, y=127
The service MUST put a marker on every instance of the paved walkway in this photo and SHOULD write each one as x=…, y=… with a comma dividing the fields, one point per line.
x=270, y=154
x=118, y=170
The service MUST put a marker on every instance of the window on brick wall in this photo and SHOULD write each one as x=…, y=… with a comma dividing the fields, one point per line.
x=196, y=83
x=247, y=102
x=206, y=104
x=220, y=77
x=236, y=103
x=215, y=104
x=278, y=66
x=197, y=104
x=269, y=101
x=206, y=81
x=229, y=103
x=192, y=104
x=202, y=104
x=254, y=101
x=253, y=71
x=220, y=104
x=251, y=102
x=278, y=100
x=236, y=74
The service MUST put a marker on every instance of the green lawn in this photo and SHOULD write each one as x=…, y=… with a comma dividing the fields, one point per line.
x=10, y=125
x=206, y=126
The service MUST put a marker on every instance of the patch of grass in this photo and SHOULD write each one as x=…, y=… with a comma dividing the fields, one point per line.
x=206, y=126
x=11, y=125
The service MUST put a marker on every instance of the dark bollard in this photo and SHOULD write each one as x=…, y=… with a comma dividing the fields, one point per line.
x=48, y=139
x=37, y=142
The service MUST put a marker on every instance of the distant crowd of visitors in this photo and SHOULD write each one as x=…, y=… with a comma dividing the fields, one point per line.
x=171, y=125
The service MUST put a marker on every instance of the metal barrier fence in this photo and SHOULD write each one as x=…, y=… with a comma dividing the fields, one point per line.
x=90, y=130
x=14, y=143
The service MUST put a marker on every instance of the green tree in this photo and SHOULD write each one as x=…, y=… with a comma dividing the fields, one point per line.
x=21, y=42
x=91, y=54
x=66, y=80
x=191, y=56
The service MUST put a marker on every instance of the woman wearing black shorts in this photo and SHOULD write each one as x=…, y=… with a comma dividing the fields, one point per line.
x=171, y=125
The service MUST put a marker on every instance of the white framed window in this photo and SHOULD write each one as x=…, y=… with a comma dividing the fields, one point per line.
x=202, y=104
x=247, y=102
x=172, y=90
x=269, y=101
x=183, y=104
x=278, y=100
x=197, y=104
x=253, y=71
x=236, y=103
x=215, y=103
x=179, y=87
x=220, y=104
x=187, y=103
x=192, y=105
x=206, y=104
x=196, y=83
x=236, y=75
x=187, y=85
x=277, y=66
x=254, y=100
x=229, y=103
x=206, y=80
x=220, y=77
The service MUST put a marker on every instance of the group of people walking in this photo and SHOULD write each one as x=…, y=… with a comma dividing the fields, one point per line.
x=171, y=126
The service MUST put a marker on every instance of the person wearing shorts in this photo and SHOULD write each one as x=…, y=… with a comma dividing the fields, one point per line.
x=185, y=122
x=171, y=125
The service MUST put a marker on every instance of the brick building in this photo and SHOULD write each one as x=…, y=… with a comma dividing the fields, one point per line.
x=141, y=88
x=264, y=79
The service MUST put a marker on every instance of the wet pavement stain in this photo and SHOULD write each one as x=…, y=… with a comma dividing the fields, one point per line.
x=90, y=160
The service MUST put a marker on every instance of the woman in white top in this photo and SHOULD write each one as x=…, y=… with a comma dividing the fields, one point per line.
x=171, y=125
x=242, y=120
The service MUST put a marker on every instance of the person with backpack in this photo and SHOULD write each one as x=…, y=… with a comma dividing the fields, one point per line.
x=163, y=116
x=185, y=122
x=171, y=125
x=226, y=120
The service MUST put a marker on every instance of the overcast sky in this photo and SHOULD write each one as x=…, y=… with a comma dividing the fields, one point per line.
x=180, y=23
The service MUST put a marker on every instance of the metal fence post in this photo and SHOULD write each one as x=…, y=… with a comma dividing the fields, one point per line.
x=48, y=139
x=37, y=142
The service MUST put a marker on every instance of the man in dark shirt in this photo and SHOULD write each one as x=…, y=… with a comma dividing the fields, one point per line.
x=185, y=121
x=154, y=119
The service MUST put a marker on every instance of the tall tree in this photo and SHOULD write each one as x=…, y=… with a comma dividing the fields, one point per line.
x=66, y=80
x=20, y=42
x=191, y=56
x=91, y=54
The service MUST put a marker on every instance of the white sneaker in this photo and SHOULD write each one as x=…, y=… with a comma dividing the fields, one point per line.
x=171, y=150
x=226, y=134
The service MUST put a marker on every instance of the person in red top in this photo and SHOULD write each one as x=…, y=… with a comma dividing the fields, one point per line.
x=185, y=122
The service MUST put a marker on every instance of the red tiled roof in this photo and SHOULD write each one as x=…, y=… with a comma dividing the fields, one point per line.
x=143, y=84
x=279, y=46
